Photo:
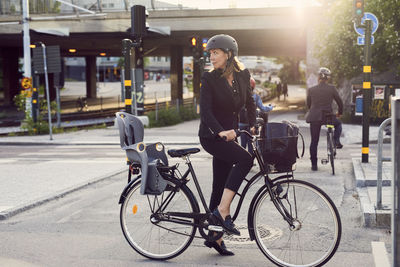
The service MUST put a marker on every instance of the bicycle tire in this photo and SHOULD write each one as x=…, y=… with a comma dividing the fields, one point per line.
x=79, y=105
x=318, y=232
x=331, y=153
x=157, y=240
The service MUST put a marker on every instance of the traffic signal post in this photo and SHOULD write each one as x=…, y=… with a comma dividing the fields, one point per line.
x=132, y=52
x=200, y=57
x=366, y=92
x=366, y=29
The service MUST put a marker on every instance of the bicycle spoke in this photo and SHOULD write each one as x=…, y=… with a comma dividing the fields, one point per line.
x=315, y=234
x=157, y=238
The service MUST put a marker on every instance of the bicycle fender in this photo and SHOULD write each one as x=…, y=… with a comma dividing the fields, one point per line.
x=251, y=211
x=127, y=187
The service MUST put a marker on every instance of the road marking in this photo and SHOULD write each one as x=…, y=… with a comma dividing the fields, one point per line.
x=7, y=160
x=68, y=217
x=53, y=153
x=380, y=255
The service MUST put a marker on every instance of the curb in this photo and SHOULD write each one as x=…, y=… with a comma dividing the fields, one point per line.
x=361, y=180
x=371, y=216
x=35, y=203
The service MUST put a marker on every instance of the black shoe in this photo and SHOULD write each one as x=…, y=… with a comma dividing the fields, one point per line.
x=314, y=167
x=227, y=224
x=222, y=250
x=339, y=145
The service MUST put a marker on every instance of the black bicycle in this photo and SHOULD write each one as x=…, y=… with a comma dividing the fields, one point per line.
x=82, y=104
x=330, y=142
x=293, y=222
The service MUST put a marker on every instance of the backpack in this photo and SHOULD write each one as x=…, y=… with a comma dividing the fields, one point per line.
x=278, y=145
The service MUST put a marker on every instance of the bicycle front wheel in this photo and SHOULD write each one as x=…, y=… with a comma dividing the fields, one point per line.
x=331, y=151
x=317, y=228
x=146, y=233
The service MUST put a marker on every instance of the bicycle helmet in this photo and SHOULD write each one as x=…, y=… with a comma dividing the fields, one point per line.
x=224, y=42
x=324, y=73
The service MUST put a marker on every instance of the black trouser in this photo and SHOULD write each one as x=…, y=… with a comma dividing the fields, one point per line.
x=315, y=129
x=231, y=164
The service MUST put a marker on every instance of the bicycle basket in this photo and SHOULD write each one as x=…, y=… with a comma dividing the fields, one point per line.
x=278, y=145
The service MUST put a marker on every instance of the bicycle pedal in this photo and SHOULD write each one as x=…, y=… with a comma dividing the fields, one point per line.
x=215, y=228
x=324, y=161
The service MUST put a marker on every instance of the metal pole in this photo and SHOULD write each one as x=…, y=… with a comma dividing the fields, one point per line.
x=395, y=182
x=122, y=85
x=126, y=52
x=366, y=91
x=133, y=88
x=58, y=107
x=46, y=78
x=380, y=160
x=26, y=38
x=27, y=49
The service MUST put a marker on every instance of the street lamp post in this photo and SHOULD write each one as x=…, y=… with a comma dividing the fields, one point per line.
x=27, y=50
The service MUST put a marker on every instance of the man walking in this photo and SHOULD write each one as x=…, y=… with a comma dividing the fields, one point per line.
x=319, y=102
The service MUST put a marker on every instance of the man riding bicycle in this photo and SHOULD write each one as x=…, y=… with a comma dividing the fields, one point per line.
x=319, y=102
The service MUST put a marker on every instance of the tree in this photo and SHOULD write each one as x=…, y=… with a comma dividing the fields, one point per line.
x=290, y=71
x=336, y=42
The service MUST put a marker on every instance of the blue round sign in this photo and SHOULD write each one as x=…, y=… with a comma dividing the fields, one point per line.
x=375, y=23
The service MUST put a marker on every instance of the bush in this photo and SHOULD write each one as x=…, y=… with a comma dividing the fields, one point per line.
x=41, y=126
x=171, y=116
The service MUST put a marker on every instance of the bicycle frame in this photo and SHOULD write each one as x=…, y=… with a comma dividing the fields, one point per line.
x=178, y=217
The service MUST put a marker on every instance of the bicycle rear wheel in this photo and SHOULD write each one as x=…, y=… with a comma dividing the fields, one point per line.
x=331, y=151
x=317, y=231
x=149, y=236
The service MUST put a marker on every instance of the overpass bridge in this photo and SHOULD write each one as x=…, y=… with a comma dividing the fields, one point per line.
x=259, y=32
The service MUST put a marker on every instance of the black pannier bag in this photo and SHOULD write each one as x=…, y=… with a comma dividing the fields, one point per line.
x=278, y=145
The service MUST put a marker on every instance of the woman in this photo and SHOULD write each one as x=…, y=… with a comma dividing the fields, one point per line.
x=224, y=92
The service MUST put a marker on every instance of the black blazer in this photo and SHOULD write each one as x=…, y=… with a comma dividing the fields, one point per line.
x=320, y=98
x=217, y=110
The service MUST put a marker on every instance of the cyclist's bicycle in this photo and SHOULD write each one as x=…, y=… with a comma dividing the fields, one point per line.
x=81, y=104
x=293, y=222
x=330, y=141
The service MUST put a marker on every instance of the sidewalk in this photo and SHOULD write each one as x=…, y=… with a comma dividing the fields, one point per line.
x=65, y=164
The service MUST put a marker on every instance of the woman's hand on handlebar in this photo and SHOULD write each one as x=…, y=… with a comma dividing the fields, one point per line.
x=229, y=135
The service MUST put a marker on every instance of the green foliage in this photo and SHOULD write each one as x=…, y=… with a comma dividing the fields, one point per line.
x=171, y=116
x=290, y=72
x=336, y=40
x=39, y=127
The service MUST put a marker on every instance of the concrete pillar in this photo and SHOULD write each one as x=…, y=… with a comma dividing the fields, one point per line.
x=91, y=77
x=10, y=74
x=176, y=73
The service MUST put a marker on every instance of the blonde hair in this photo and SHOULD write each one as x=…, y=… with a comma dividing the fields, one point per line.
x=234, y=66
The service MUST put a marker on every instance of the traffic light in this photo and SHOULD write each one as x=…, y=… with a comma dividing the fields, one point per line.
x=358, y=11
x=204, y=46
x=138, y=20
x=195, y=47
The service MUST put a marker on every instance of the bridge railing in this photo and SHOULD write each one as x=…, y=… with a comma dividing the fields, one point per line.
x=13, y=7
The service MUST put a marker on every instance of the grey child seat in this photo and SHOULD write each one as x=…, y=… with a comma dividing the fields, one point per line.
x=131, y=133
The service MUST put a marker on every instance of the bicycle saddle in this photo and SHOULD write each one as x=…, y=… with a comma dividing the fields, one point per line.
x=183, y=152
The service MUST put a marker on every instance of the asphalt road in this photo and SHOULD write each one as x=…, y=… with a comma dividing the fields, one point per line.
x=82, y=228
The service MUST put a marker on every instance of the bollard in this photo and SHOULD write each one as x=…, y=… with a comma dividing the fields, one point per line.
x=395, y=181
